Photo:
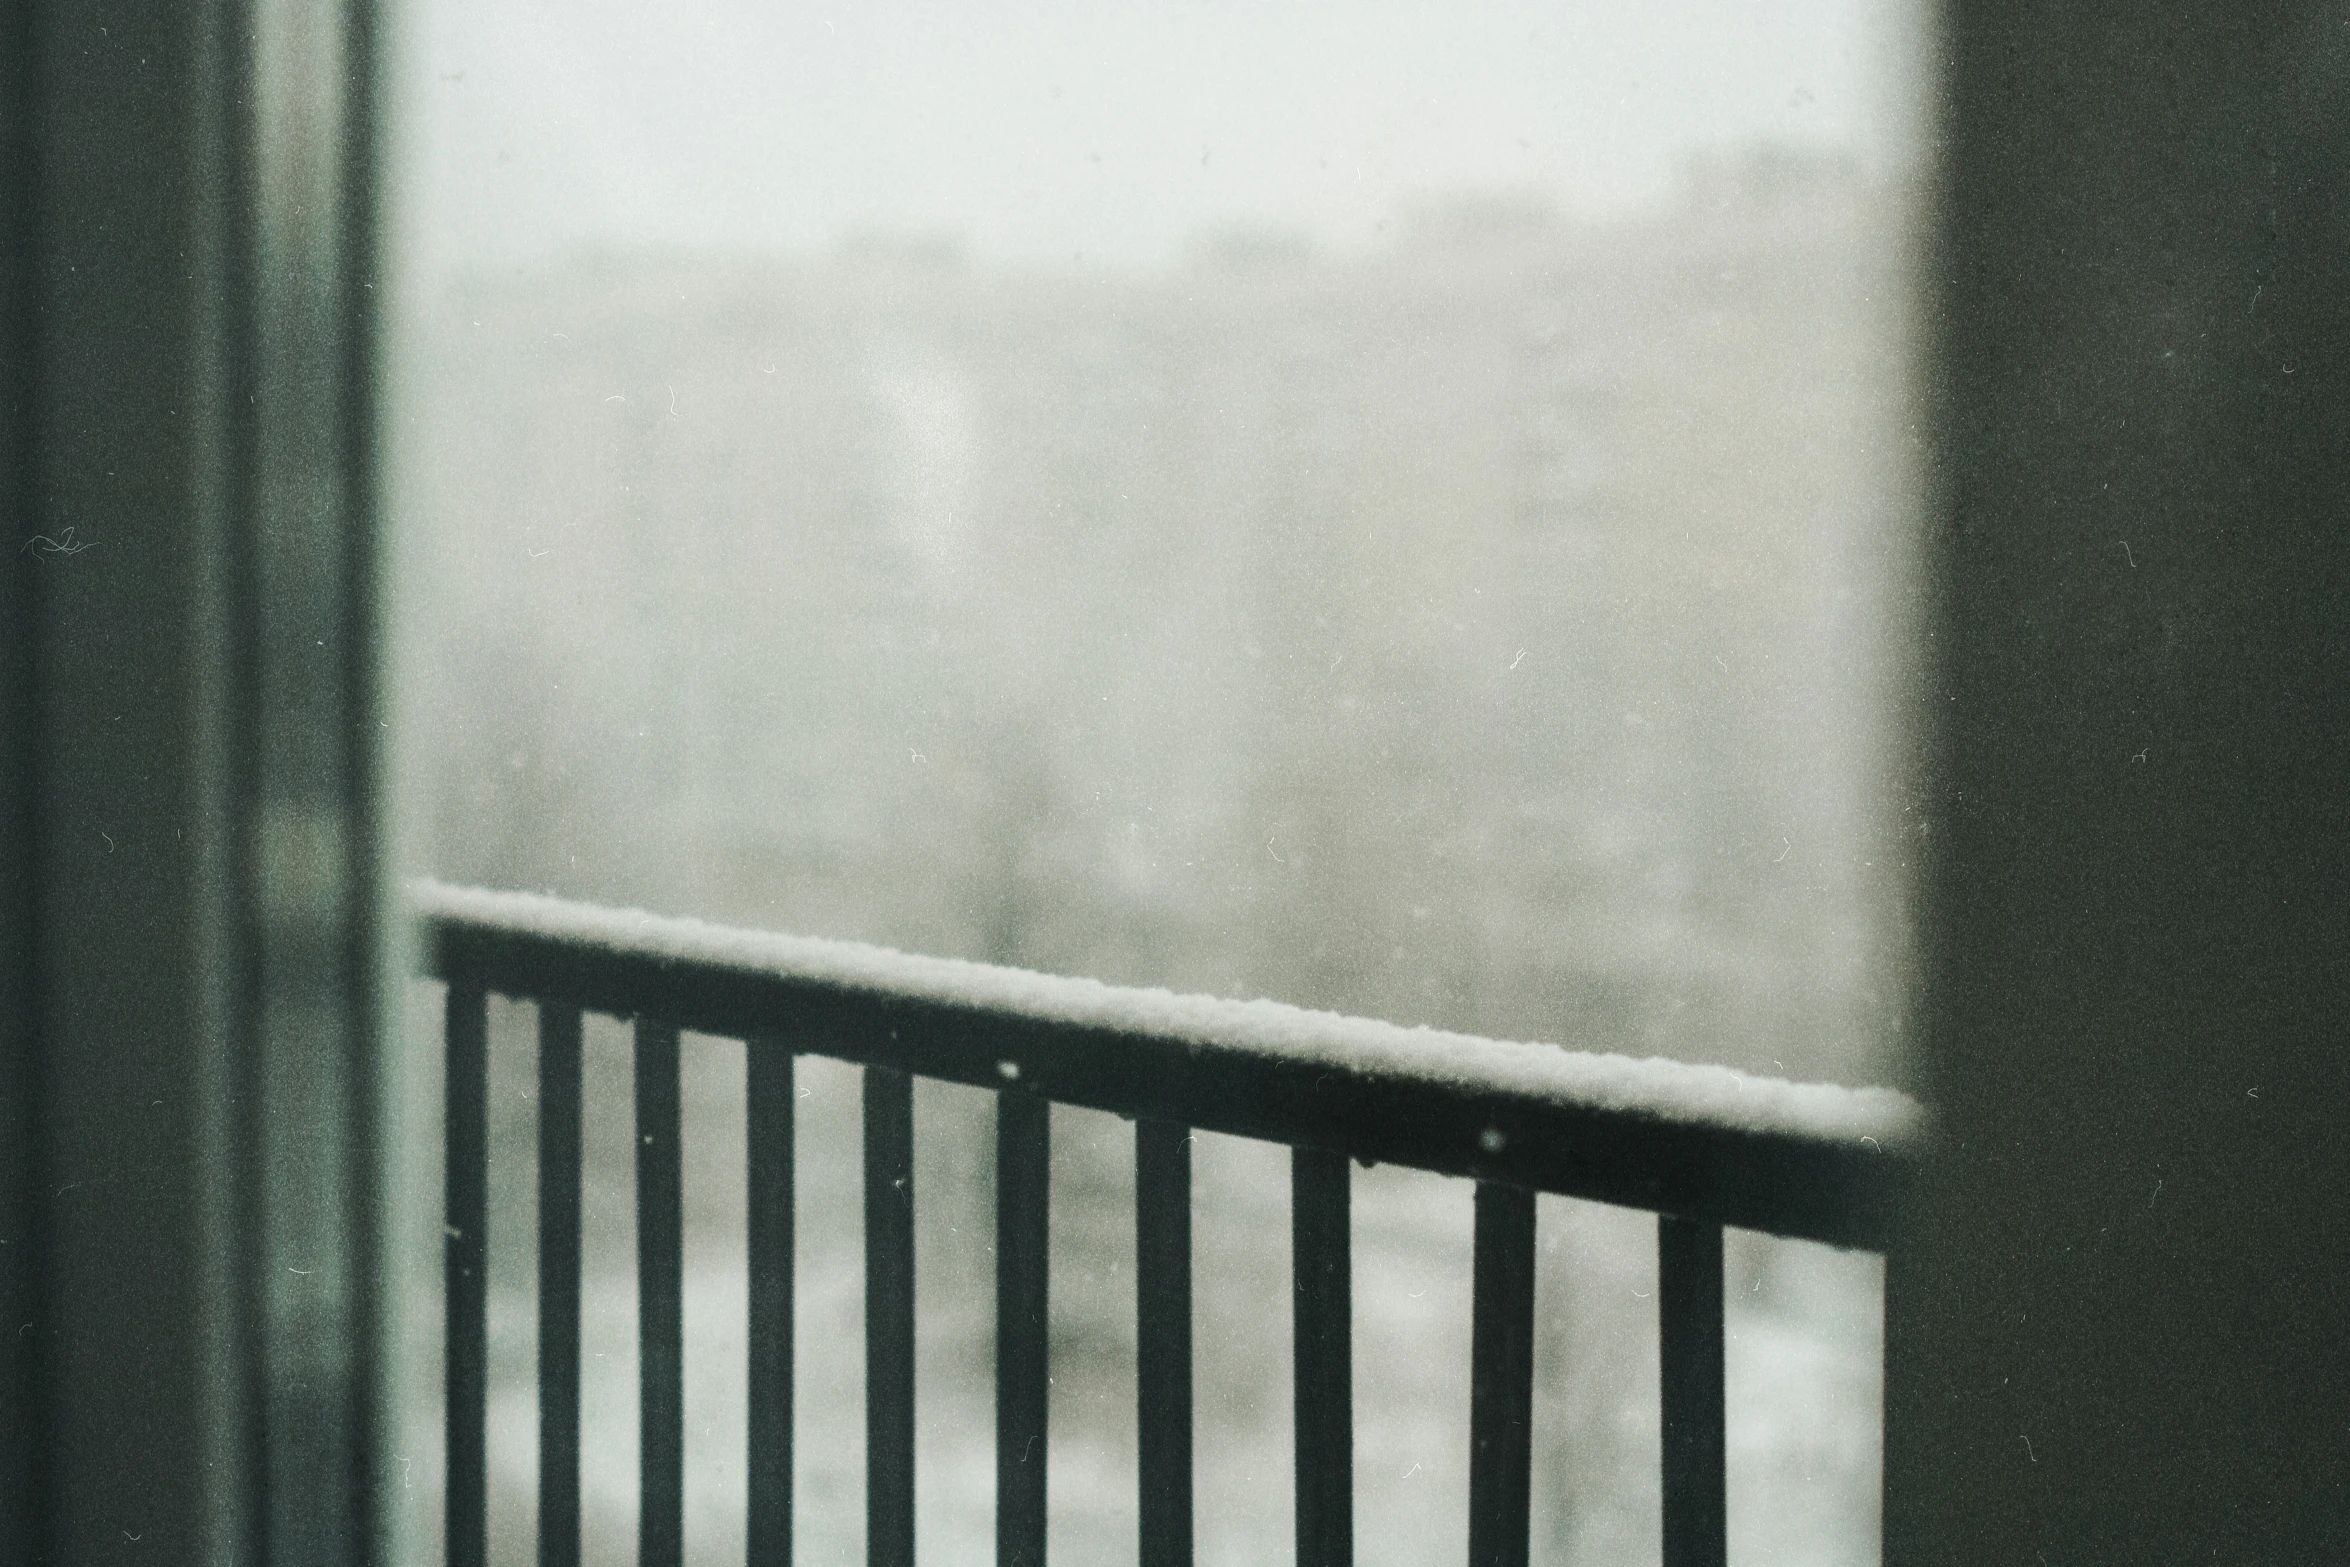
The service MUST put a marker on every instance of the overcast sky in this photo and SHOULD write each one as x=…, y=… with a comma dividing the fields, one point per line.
x=1040, y=131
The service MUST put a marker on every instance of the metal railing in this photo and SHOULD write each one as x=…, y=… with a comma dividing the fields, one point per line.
x=1701, y=1147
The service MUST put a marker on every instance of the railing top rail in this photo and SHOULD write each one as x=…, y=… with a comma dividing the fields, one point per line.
x=1804, y=1159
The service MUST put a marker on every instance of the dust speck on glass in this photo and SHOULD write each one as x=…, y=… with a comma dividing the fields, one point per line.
x=1397, y=508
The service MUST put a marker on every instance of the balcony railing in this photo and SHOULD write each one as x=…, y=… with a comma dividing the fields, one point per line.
x=1702, y=1147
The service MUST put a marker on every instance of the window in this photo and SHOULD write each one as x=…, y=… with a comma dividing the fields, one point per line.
x=1395, y=509
x=2108, y=964
x=1403, y=512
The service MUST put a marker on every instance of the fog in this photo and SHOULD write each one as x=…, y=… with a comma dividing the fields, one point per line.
x=1397, y=509
x=1060, y=130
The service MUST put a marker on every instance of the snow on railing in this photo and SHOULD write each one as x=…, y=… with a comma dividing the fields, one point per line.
x=1665, y=1091
x=1702, y=1146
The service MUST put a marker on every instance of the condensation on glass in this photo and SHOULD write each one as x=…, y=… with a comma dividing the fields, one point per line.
x=1396, y=508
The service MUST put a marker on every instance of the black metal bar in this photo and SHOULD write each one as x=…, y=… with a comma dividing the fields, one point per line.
x=767, y=1091
x=1162, y=1322
x=889, y=1318
x=1501, y=1378
x=1419, y=1110
x=1023, y=1176
x=1322, y=1268
x=1689, y=1351
x=467, y=1145
x=559, y=1121
x=660, y=1300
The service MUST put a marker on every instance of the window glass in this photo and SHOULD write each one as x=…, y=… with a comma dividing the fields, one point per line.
x=1393, y=507
x=1399, y=508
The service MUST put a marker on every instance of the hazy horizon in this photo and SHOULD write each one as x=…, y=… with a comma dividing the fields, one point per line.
x=1055, y=132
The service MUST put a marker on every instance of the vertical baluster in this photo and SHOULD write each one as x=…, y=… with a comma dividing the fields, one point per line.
x=1162, y=1321
x=559, y=1120
x=1023, y=1168
x=1320, y=1259
x=1501, y=1378
x=467, y=1151
x=660, y=1281
x=889, y=1318
x=1689, y=1319
x=767, y=1091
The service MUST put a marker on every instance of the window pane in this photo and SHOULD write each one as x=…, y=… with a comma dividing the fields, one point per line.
x=1398, y=508
x=1395, y=508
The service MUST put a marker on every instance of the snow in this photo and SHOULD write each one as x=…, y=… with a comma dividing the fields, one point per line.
x=1675, y=1092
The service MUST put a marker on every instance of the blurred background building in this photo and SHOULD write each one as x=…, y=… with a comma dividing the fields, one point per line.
x=1491, y=628
x=1486, y=631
